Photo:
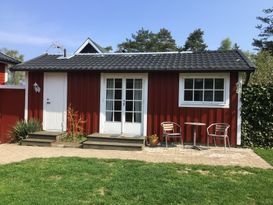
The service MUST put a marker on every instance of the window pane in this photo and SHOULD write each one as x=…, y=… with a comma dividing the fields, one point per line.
x=188, y=83
x=117, y=94
x=118, y=83
x=129, y=105
x=198, y=83
x=198, y=95
x=129, y=94
x=109, y=116
x=129, y=117
x=117, y=105
x=219, y=83
x=129, y=83
x=137, y=117
x=117, y=116
x=137, y=105
x=109, y=94
x=138, y=95
x=208, y=96
x=209, y=83
x=219, y=96
x=188, y=95
x=110, y=83
x=138, y=83
x=109, y=105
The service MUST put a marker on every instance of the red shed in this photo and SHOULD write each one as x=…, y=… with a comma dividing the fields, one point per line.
x=133, y=93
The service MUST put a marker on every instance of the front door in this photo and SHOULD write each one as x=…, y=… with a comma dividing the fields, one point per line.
x=55, y=92
x=124, y=104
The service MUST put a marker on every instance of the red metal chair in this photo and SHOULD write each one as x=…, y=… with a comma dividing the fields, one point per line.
x=171, y=130
x=219, y=130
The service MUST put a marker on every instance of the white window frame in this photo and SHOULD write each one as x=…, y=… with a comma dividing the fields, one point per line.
x=204, y=104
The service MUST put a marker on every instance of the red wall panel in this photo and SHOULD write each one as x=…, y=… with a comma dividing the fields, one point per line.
x=2, y=73
x=35, y=100
x=163, y=106
x=12, y=106
x=84, y=97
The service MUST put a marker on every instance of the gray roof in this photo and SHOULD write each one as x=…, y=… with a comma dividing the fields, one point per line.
x=7, y=59
x=233, y=60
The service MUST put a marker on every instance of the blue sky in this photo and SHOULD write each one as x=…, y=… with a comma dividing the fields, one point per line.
x=31, y=26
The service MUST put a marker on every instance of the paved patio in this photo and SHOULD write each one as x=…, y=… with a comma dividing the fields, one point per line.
x=213, y=156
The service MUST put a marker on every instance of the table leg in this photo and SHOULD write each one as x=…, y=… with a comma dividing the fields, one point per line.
x=194, y=139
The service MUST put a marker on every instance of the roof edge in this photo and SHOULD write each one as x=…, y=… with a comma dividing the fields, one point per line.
x=248, y=62
x=12, y=59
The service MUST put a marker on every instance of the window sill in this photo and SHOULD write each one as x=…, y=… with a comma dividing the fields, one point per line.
x=205, y=105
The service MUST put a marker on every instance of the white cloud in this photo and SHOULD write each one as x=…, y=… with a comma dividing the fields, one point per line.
x=16, y=38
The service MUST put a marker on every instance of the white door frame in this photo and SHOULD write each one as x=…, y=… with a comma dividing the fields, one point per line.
x=64, y=115
x=104, y=76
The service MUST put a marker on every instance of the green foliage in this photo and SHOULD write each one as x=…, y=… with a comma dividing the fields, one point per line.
x=147, y=41
x=22, y=128
x=195, y=41
x=265, y=41
x=226, y=45
x=264, y=72
x=257, y=115
x=96, y=181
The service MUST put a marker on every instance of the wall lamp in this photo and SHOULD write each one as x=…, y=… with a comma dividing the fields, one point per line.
x=36, y=88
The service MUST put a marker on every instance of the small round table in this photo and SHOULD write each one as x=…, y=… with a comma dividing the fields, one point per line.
x=195, y=124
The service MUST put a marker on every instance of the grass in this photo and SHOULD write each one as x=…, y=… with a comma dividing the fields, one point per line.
x=266, y=154
x=95, y=181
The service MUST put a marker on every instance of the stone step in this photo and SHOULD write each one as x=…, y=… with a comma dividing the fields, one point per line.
x=115, y=138
x=44, y=135
x=112, y=145
x=37, y=142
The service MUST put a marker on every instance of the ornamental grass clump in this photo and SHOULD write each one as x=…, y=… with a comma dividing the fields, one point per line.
x=22, y=128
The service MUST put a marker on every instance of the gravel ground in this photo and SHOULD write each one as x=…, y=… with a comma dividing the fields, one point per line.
x=212, y=156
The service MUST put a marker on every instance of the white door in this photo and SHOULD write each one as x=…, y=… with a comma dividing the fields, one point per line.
x=124, y=104
x=55, y=105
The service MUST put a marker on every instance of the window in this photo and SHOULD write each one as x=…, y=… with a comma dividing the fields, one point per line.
x=204, y=90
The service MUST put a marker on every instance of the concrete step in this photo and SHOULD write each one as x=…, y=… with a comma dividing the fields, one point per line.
x=115, y=138
x=112, y=146
x=37, y=142
x=44, y=135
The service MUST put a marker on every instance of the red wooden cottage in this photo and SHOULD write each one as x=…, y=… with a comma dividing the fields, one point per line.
x=133, y=93
x=5, y=60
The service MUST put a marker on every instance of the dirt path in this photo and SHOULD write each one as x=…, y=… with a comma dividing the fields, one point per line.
x=213, y=156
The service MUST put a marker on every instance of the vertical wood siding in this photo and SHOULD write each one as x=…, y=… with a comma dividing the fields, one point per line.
x=163, y=106
x=35, y=100
x=84, y=97
x=2, y=73
x=12, y=106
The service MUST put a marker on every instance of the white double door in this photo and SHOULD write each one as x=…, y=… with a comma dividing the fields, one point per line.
x=124, y=104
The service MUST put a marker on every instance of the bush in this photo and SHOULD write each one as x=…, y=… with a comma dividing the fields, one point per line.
x=22, y=128
x=257, y=115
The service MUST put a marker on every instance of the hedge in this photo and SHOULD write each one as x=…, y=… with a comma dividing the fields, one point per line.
x=257, y=115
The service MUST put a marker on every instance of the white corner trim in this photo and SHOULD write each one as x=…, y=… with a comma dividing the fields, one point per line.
x=6, y=75
x=88, y=41
x=225, y=104
x=26, y=98
x=239, y=118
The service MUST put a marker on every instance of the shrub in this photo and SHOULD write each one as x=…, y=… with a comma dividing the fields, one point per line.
x=22, y=128
x=257, y=115
x=75, y=125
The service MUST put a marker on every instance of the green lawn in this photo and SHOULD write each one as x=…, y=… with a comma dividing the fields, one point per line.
x=266, y=154
x=94, y=181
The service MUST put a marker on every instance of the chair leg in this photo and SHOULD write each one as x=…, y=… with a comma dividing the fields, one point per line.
x=214, y=141
x=182, y=143
x=228, y=141
x=207, y=141
x=225, y=142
